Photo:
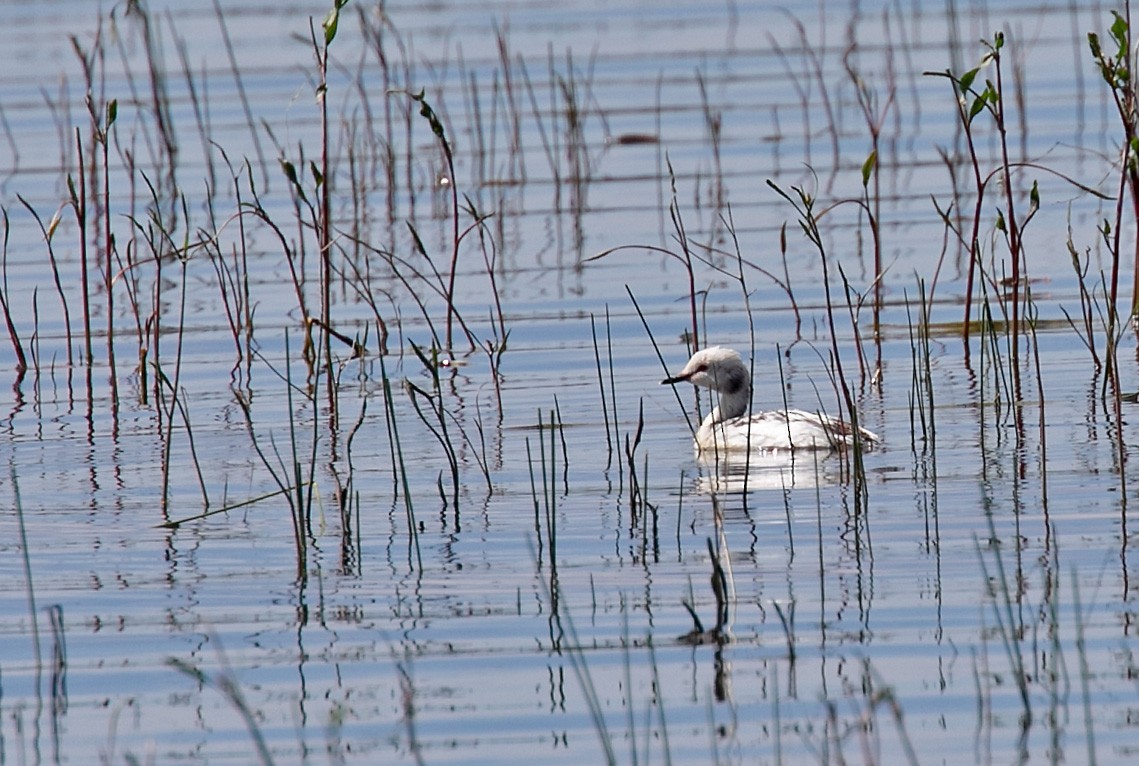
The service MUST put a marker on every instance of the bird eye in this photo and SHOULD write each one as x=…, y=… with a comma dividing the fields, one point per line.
x=702, y=368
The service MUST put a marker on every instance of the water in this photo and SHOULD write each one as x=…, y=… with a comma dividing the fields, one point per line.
x=996, y=550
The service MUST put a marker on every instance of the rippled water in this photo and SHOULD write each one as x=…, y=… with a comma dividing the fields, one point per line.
x=970, y=599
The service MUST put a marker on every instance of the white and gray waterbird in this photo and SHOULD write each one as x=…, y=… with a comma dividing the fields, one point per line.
x=729, y=427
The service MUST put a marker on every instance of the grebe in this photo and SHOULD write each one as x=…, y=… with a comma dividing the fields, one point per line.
x=728, y=427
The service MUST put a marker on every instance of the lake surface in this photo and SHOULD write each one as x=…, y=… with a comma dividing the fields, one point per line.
x=223, y=545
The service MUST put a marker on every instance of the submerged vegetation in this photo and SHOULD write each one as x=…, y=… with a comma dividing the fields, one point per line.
x=366, y=306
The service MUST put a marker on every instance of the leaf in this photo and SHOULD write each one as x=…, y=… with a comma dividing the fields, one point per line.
x=976, y=107
x=1119, y=33
x=290, y=171
x=330, y=24
x=291, y=174
x=868, y=167
x=53, y=224
x=1093, y=43
x=426, y=111
x=112, y=113
x=418, y=242
x=428, y=363
x=1034, y=198
x=966, y=80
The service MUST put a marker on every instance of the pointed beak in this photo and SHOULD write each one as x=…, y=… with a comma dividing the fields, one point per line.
x=676, y=379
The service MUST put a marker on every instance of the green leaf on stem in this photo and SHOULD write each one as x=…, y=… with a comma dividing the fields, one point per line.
x=976, y=107
x=966, y=80
x=330, y=24
x=1093, y=43
x=1119, y=33
x=290, y=171
x=868, y=167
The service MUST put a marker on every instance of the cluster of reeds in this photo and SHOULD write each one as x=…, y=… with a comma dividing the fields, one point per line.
x=138, y=276
x=323, y=234
x=1002, y=282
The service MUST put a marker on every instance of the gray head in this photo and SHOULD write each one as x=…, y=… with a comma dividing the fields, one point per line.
x=718, y=368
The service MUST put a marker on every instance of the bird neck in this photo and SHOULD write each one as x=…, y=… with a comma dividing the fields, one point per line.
x=732, y=404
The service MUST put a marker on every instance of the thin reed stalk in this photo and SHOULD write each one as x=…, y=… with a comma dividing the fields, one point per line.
x=301, y=519
x=428, y=113
x=79, y=207
x=437, y=422
x=601, y=389
x=636, y=499
x=1085, y=329
x=242, y=96
x=323, y=180
x=109, y=251
x=13, y=334
x=399, y=468
x=874, y=114
x=173, y=384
